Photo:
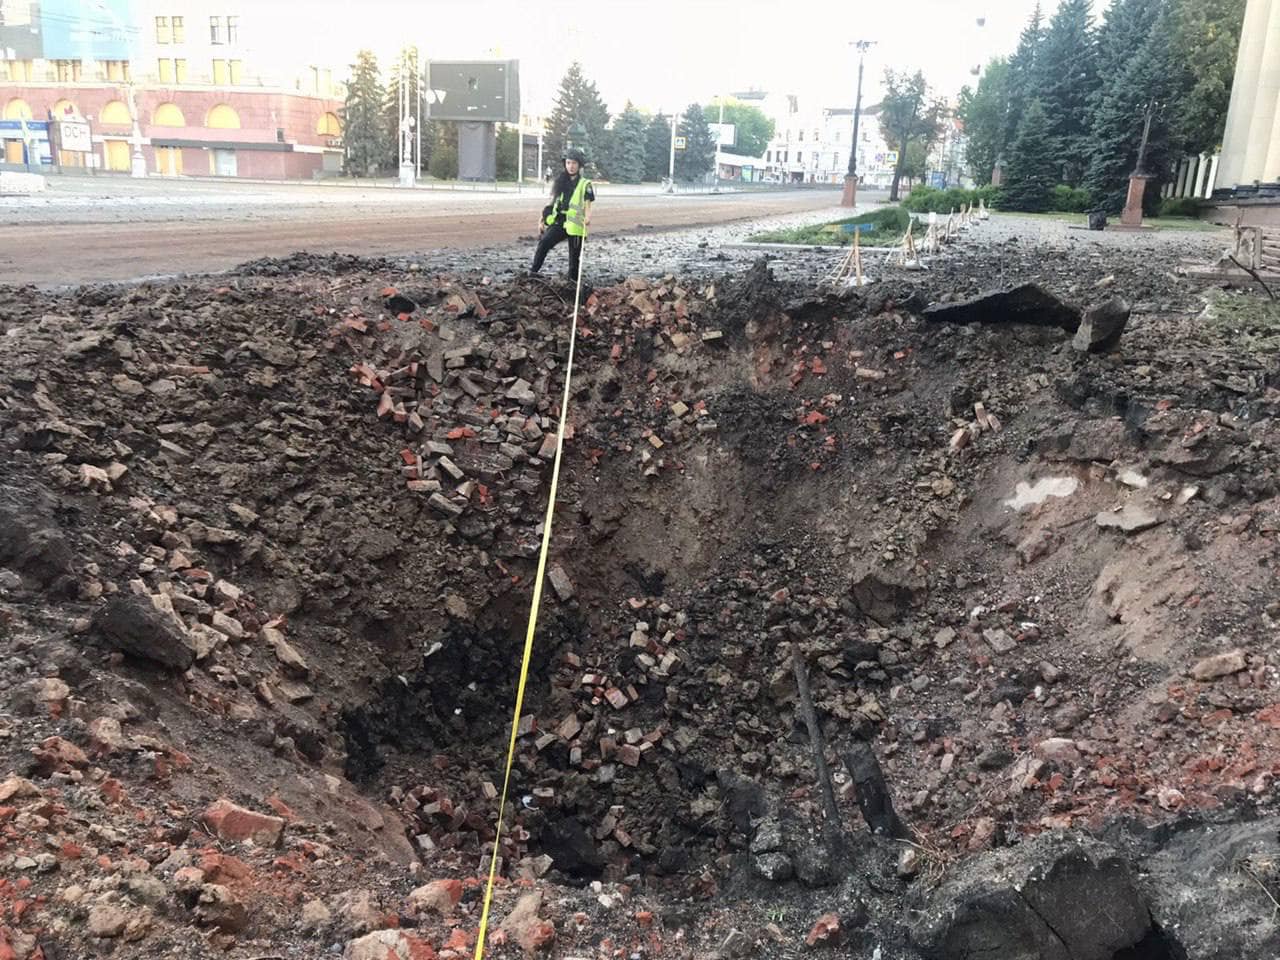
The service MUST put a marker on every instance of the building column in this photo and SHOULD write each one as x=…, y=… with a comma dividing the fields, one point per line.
x=1244, y=90
x=1257, y=155
x=1211, y=182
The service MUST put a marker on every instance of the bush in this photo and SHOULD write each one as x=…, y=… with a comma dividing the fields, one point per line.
x=444, y=162
x=1181, y=207
x=1067, y=199
x=924, y=199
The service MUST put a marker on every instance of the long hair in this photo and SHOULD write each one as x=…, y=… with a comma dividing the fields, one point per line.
x=561, y=183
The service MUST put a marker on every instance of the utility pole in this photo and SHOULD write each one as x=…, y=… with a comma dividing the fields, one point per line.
x=850, y=196
x=671, y=165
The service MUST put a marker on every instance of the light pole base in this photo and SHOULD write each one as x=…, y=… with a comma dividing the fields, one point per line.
x=408, y=176
x=850, y=196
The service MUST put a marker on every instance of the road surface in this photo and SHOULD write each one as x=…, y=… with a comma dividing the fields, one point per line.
x=85, y=232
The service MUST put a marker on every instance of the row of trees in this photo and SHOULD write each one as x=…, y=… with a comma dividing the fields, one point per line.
x=627, y=148
x=1071, y=103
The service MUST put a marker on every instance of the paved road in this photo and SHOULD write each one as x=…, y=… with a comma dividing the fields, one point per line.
x=86, y=234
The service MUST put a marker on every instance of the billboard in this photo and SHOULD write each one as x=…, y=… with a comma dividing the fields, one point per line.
x=74, y=135
x=68, y=29
x=487, y=90
x=726, y=134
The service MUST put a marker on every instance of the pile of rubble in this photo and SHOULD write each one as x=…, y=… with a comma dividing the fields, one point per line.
x=268, y=543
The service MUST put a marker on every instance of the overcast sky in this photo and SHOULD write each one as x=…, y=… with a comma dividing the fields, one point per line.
x=668, y=53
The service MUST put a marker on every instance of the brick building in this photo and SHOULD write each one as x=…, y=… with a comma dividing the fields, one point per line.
x=193, y=87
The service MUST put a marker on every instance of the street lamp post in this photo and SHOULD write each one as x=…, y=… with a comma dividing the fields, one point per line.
x=850, y=196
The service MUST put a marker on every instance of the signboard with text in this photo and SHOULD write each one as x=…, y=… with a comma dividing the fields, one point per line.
x=74, y=135
x=726, y=134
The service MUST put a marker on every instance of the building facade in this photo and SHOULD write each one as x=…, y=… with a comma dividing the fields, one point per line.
x=1251, y=144
x=180, y=87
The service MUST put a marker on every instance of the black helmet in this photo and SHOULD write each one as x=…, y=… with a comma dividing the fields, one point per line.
x=573, y=153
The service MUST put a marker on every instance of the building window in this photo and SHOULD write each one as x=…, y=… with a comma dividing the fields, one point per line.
x=179, y=30
x=768, y=156
x=163, y=33
x=222, y=117
x=116, y=71
x=801, y=136
x=215, y=30
x=233, y=29
x=165, y=70
x=235, y=71
x=16, y=71
x=168, y=115
x=220, y=73
x=115, y=113
x=179, y=71
x=328, y=125
x=67, y=71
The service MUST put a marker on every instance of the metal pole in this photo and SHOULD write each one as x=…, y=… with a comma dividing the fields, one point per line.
x=417, y=86
x=850, y=197
x=400, y=117
x=719, y=136
x=671, y=163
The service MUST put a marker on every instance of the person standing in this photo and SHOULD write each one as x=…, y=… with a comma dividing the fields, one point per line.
x=568, y=215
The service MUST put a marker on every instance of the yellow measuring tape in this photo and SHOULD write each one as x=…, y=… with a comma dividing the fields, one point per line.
x=533, y=614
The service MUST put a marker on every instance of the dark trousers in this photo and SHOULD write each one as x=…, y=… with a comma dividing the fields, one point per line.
x=550, y=238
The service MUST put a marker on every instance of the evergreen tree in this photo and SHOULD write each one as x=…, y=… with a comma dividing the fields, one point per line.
x=408, y=58
x=508, y=148
x=1066, y=82
x=1033, y=165
x=657, y=147
x=1022, y=74
x=699, y=154
x=1206, y=36
x=1142, y=81
x=578, y=102
x=628, y=155
x=444, y=151
x=983, y=113
x=364, y=135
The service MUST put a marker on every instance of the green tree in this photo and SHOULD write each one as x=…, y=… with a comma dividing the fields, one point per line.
x=408, y=59
x=628, y=155
x=507, y=153
x=444, y=151
x=1206, y=36
x=578, y=102
x=1023, y=74
x=366, y=149
x=983, y=113
x=1033, y=166
x=657, y=147
x=1066, y=82
x=752, y=129
x=1136, y=35
x=907, y=115
x=699, y=154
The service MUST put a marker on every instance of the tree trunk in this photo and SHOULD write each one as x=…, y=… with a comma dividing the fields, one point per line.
x=897, y=171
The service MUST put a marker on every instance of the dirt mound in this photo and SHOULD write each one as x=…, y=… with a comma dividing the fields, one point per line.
x=277, y=552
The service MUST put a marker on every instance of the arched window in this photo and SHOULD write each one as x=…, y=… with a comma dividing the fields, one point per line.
x=328, y=125
x=17, y=109
x=222, y=117
x=115, y=112
x=168, y=115
x=64, y=108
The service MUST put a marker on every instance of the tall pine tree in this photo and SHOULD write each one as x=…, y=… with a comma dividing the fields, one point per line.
x=1142, y=79
x=1022, y=74
x=578, y=102
x=1033, y=165
x=698, y=157
x=628, y=154
x=1066, y=81
x=366, y=149
x=657, y=147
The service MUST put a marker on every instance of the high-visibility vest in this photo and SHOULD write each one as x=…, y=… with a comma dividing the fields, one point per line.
x=575, y=214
